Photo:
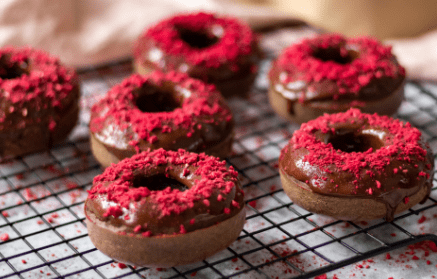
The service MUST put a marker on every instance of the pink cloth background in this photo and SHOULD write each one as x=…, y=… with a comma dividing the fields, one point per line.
x=84, y=33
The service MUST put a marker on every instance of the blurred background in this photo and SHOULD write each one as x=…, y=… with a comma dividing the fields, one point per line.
x=84, y=33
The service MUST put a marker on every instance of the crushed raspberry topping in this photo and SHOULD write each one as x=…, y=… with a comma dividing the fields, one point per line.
x=116, y=182
x=235, y=39
x=40, y=83
x=201, y=102
x=402, y=143
x=373, y=62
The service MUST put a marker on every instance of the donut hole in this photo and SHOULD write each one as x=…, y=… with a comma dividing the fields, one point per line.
x=335, y=55
x=350, y=142
x=11, y=70
x=197, y=39
x=152, y=99
x=158, y=182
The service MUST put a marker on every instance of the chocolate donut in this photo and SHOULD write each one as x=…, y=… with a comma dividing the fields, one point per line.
x=356, y=166
x=169, y=111
x=39, y=101
x=218, y=50
x=330, y=74
x=165, y=208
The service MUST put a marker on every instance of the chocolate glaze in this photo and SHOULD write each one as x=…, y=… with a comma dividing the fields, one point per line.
x=39, y=100
x=390, y=185
x=197, y=134
x=230, y=75
x=325, y=95
x=146, y=213
x=17, y=140
x=318, y=88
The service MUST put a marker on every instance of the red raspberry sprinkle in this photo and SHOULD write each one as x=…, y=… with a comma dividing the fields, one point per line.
x=48, y=86
x=432, y=246
x=421, y=220
x=118, y=110
x=210, y=177
x=402, y=143
x=137, y=229
x=252, y=203
x=375, y=61
x=236, y=40
x=4, y=237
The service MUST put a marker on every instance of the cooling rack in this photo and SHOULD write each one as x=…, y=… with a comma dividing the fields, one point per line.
x=42, y=195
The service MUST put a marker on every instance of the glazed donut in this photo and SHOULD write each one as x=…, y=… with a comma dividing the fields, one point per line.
x=330, y=74
x=165, y=208
x=356, y=166
x=218, y=50
x=39, y=101
x=169, y=111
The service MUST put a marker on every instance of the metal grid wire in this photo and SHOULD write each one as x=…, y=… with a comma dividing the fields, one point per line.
x=42, y=195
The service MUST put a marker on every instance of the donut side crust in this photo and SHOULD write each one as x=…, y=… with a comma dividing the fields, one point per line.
x=304, y=113
x=22, y=141
x=105, y=157
x=348, y=209
x=164, y=250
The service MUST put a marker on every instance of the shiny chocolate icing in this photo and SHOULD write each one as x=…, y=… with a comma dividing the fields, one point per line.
x=332, y=73
x=355, y=155
x=197, y=192
x=39, y=100
x=214, y=49
x=169, y=111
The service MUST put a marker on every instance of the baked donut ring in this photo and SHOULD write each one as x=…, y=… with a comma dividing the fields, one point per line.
x=39, y=101
x=165, y=208
x=218, y=50
x=356, y=166
x=330, y=74
x=169, y=111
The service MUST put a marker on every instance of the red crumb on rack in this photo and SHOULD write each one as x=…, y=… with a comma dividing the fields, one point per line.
x=4, y=237
x=71, y=185
x=421, y=220
x=122, y=265
x=252, y=203
x=29, y=194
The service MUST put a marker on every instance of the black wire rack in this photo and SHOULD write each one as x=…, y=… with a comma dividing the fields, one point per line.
x=42, y=196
